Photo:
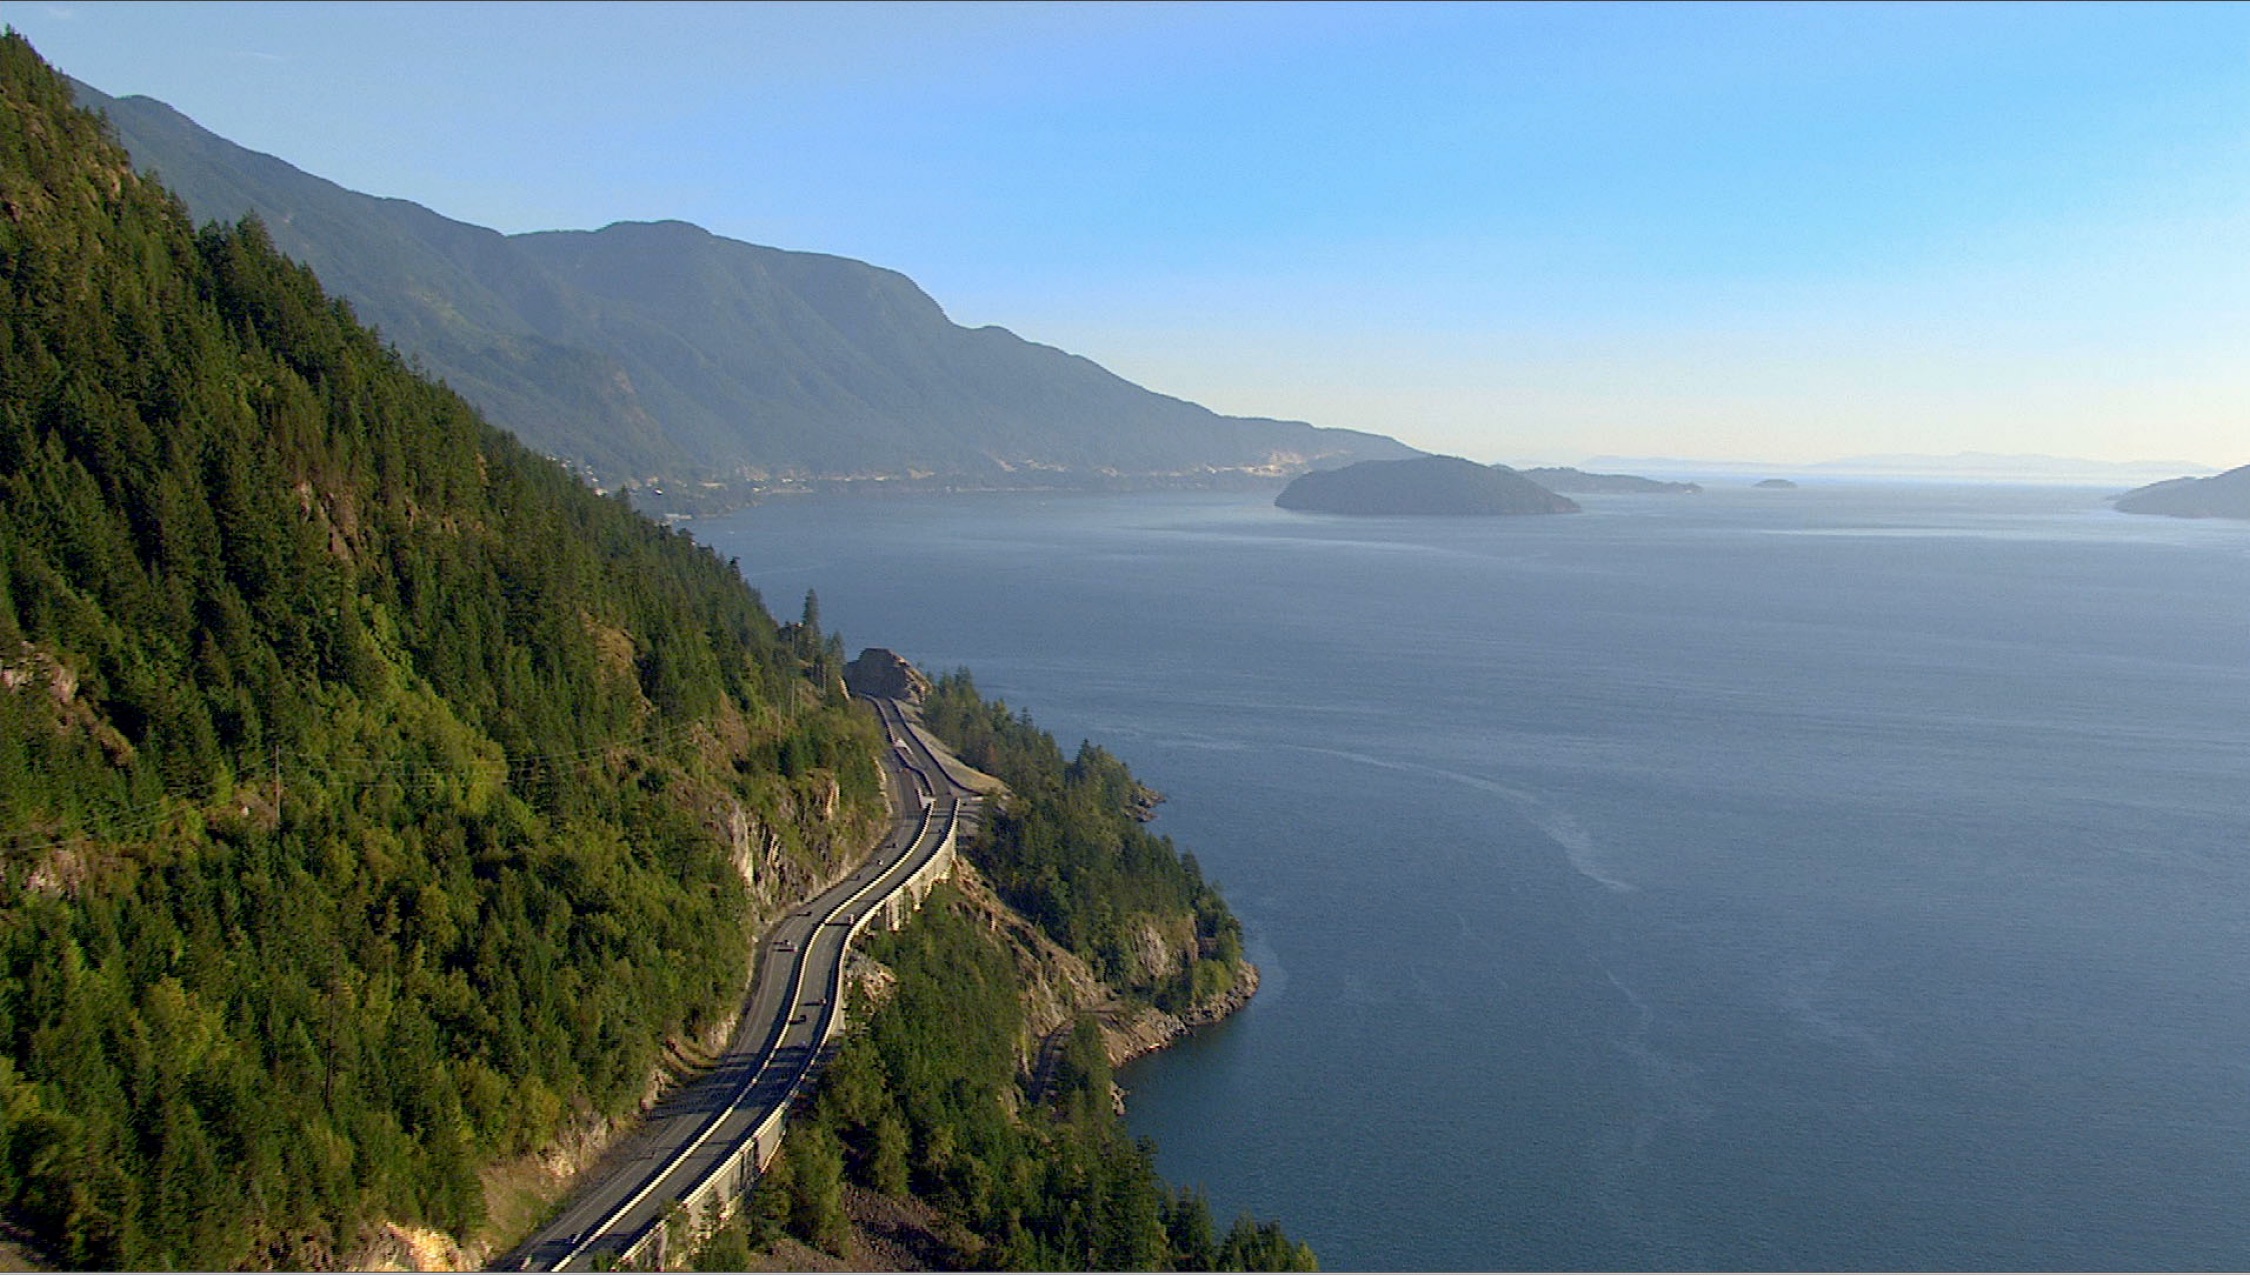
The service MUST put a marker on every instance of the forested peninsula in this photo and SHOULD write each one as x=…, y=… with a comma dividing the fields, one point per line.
x=385, y=817
x=1421, y=486
x=703, y=371
x=1571, y=482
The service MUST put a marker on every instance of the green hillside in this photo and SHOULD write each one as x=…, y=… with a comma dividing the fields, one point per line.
x=1021, y=1151
x=375, y=800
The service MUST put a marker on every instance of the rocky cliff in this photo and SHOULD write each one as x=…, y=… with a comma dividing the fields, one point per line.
x=886, y=675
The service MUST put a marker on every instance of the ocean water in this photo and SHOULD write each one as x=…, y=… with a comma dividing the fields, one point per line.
x=1853, y=877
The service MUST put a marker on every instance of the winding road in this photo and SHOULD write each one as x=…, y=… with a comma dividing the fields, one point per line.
x=712, y=1134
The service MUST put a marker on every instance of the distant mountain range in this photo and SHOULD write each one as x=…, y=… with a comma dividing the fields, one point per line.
x=1577, y=482
x=1982, y=466
x=659, y=351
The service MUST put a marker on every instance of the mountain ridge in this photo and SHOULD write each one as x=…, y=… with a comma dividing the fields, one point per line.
x=655, y=353
x=378, y=805
x=1970, y=466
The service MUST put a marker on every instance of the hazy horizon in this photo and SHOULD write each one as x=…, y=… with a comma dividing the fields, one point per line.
x=1740, y=233
x=1966, y=465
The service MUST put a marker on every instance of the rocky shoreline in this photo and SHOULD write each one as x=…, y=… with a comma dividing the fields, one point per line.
x=1146, y=1029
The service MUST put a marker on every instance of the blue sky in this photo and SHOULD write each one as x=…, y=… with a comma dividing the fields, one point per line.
x=1531, y=233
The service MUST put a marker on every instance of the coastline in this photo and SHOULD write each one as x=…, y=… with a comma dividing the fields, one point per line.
x=1148, y=1030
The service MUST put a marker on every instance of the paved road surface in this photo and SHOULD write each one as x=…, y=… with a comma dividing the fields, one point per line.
x=789, y=1014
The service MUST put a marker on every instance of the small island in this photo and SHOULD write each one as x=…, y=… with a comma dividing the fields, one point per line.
x=1425, y=485
x=1775, y=484
x=1564, y=478
x=2224, y=495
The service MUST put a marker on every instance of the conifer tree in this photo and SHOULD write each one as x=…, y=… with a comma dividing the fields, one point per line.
x=361, y=773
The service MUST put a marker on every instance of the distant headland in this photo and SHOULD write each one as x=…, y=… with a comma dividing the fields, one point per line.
x=2224, y=495
x=1564, y=478
x=1430, y=485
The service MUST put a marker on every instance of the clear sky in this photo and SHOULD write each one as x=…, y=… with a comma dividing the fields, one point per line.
x=1528, y=233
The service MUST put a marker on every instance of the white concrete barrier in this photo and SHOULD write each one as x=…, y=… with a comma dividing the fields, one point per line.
x=705, y=1206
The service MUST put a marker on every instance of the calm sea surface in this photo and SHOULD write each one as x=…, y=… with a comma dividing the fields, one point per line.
x=1856, y=876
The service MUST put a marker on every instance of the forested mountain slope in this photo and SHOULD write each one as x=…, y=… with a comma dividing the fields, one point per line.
x=661, y=349
x=375, y=800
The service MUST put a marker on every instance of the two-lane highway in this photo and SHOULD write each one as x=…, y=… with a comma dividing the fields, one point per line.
x=707, y=1128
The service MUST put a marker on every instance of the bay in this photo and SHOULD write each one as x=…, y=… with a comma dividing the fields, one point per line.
x=1852, y=877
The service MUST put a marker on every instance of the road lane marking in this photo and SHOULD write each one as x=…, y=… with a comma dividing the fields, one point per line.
x=777, y=1037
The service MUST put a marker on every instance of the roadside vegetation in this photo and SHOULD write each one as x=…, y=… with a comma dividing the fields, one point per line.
x=378, y=803
x=1072, y=852
x=928, y=1102
x=933, y=1099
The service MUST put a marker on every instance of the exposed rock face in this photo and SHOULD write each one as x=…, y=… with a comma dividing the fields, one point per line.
x=1128, y=1034
x=1226, y=1003
x=1435, y=485
x=1157, y=953
x=873, y=984
x=413, y=1248
x=1057, y=984
x=887, y=674
x=2224, y=495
